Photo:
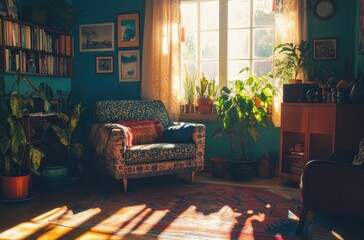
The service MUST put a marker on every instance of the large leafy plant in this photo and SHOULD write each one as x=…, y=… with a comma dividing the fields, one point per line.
x=65, y=130
x=244, y=106
x=14, y=147
x=290, y=59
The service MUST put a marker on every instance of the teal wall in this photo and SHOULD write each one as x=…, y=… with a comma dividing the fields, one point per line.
x=341, y=27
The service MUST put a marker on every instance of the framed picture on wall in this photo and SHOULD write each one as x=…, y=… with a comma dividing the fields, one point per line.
x=128, y=30
x=104, y=64
x=129, y=66
x=324, y=49
x=97, y=37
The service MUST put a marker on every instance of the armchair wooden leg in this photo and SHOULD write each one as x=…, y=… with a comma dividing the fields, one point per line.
x=301, y=222
x=125, y=184
x=192, y=176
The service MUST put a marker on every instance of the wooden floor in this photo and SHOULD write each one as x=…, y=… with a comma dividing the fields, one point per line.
x=44, y=202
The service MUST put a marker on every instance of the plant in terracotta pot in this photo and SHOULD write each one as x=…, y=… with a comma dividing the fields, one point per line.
x=206, y=93
x=189, y=85
x=290, y=60
x=241, y=109
x=14, y=147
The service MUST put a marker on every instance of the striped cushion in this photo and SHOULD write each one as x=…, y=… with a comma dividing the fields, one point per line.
x=143, y=131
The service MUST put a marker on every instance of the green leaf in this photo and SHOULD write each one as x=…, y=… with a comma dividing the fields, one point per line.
x=35, y=157
x=61, y=133
x=16, y=104
x=17, y=136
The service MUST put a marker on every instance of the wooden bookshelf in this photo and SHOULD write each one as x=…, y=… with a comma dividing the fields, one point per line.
x=35, y=50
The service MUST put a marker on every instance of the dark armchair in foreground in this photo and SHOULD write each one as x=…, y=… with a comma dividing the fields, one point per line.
x=334, y=186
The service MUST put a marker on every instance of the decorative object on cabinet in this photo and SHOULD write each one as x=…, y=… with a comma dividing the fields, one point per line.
x=290, y=60
x=324, y=49
x=35, y=50
x=128, y=30
x=129, y=66
x=97, y=37
x=320, y=129
x=104, y=64
x=297, y=92
x=18, y=157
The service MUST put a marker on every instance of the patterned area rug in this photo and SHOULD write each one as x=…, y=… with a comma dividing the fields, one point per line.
x=191, y=211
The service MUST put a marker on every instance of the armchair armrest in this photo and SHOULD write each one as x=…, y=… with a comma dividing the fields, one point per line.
x=333, y=187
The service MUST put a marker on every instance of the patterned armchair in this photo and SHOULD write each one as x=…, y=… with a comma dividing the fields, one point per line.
x=144, y=160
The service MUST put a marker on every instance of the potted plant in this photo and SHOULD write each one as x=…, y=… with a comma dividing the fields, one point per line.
x=189, y=90
x=14, y=147
x=70, y=150
x=291, y=60
x=206, y=92
x=241, y=109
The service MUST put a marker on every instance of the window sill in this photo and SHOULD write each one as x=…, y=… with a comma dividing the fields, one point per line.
x=184, y=117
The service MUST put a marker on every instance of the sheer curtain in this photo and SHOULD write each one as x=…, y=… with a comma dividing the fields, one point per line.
x=161, y=54
x=291, y=26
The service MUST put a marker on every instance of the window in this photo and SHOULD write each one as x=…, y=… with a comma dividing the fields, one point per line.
x=224, y=36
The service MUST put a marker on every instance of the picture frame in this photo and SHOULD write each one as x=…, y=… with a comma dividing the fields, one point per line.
x=129, y=66
x=96, y=37
x=3, y=8
x=324, y=49
x=128, y=30
x=104, y=64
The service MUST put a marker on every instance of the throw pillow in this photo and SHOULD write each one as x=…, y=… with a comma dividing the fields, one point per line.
x=359, y=158
x=143, y=131
x=178, y=134
x=158, y=128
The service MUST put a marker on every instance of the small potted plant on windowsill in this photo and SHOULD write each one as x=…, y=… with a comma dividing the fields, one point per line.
x=241, y=109
x=206, y=91
x=189, y=91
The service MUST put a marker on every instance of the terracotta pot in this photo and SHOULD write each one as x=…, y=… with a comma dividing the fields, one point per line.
x=219, y=166
x=205, y=105
x=15, y=187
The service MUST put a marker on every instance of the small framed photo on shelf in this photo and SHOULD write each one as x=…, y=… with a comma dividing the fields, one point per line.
x=104, y=64
x=97, y=37
x=128, y=30
x=12, y=9
x=3, y=8
x=324, y=49
x=129, y=66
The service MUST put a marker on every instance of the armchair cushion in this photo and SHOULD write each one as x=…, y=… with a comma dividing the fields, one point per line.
x=178, y=134
x=159, y=152
x=143, y=131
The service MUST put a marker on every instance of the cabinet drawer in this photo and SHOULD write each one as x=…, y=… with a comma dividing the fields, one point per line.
x=294, y=118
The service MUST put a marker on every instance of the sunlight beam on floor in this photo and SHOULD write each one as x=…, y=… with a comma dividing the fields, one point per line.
x=25, y=229
x=68, y=222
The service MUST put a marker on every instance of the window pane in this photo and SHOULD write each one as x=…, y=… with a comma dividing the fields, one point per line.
x=239, y=13
x=238, y=46
x=263, y=42
x=234, y=67
x=209, y=15
x=211, y=70
x=261, y=68
x=189, y=16
x=263, y=14
x=209, y=45
x=189, y=47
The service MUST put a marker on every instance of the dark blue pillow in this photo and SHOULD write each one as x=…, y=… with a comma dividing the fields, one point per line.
x=178, y=134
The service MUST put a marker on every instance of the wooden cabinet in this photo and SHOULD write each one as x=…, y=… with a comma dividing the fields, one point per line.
x=317, y=130
x=33, y=49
